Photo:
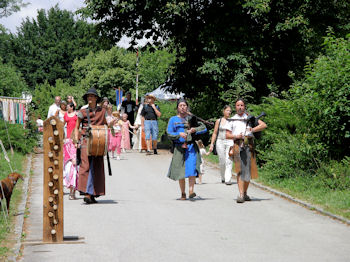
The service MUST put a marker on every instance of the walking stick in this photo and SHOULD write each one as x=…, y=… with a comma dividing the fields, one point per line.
x=109, y=165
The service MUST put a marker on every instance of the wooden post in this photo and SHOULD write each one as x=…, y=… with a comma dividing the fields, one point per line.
x=53, y=180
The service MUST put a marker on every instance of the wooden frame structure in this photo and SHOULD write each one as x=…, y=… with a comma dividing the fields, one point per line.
x=53, y=180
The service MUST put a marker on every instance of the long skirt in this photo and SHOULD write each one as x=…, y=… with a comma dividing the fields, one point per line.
x=70, y=170
x=91, y=173
x=125, y=139
x=185, y=162
x=139, y=140
x=115, y=142
x=245, y=162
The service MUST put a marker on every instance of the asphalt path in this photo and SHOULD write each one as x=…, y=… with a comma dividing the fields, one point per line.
x=142, y=219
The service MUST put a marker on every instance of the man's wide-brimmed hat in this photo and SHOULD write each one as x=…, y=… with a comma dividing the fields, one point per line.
x=92, y=91
x=151, y=96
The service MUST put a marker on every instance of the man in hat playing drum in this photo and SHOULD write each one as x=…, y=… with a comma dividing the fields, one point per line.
x=91, y=181
x=150, y=114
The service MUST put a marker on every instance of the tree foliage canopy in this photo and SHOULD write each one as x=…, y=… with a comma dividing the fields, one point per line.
x=11, y=81
x=45, y=48
x=106, y=70
x=7, y=7
x=227, y=48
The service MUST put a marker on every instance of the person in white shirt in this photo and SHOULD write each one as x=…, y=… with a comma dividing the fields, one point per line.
x=54, y=107
x=40, y=124
x=243, y=152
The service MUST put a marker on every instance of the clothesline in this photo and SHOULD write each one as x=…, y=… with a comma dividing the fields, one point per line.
x=15, y=99
x=14, y=109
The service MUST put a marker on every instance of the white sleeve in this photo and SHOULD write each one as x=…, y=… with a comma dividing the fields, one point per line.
x=49, y=114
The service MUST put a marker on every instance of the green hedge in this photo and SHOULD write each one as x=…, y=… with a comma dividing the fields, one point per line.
x=22, y=140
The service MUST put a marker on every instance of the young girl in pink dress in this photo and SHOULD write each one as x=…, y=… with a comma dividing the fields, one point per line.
x=70, y=174
x=115, y=134
x=125, y=133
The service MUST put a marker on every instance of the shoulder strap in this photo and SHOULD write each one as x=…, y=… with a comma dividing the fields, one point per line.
x=219, y=127
x=88, y=116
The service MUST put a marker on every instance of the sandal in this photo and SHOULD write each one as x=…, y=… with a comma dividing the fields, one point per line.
x=183, y=196
x=192, y=195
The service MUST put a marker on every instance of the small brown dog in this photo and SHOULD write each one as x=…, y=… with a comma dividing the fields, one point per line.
x=8, y=185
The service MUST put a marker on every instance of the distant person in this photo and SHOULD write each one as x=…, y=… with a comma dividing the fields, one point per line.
x=202, y=152
x=129, y=107
x=244, y=154
x=105, y=102
x=125, y=133
x=223, y=146
x=62, y=111
x=70, y=169
x=40, y=124
x=54, y=107
x=186, y=161
x=116, y=134
x=70, y=99
x=150, y=114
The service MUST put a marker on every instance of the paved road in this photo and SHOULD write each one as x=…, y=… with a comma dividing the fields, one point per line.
x=141, y=219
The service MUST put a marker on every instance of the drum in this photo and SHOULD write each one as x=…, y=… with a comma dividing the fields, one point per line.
x=97, y=141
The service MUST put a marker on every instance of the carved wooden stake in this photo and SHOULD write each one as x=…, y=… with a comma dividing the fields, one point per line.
x=53, y=181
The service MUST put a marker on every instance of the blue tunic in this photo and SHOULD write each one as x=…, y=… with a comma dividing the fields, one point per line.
x=186, y=161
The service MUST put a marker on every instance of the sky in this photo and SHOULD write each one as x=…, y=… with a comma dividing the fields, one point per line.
x=14, y=20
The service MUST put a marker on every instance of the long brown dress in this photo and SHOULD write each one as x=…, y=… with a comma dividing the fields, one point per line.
x=91, y=170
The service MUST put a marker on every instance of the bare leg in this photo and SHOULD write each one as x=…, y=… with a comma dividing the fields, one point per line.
x=154, y=144
x=199, y=178
x=182, y=188
x=191, y=181
x=148, y=142
x=240, y=183
x=246, y=184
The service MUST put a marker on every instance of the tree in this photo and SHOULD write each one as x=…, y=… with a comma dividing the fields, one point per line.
x=11, y=82
x=106, y=70
x=7, y=7
x=227, y=48
x=155, y=68
x=45, y=48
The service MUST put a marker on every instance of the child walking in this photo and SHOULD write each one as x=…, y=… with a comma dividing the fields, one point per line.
x=125, y=133
x=202, y=152
x=115, y=135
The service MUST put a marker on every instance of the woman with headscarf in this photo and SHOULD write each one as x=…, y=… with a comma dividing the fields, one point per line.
x=91, y=171
x=186, y=159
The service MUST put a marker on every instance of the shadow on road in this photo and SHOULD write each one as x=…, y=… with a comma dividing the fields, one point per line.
x=107, y=202
x=260, y=199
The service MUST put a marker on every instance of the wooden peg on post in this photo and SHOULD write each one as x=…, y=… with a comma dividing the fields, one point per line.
x=53, y=181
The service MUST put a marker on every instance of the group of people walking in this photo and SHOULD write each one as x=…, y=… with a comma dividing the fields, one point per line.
x=233, y=138
x=86, y=173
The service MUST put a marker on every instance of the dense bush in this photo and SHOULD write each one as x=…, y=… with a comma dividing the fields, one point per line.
x=293, y=156
x=311, y=127
x=22, y=140
x=168, y=109
x=322, y=98
x=335, y=174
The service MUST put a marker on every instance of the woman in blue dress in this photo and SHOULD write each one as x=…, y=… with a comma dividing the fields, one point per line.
x=186, y=159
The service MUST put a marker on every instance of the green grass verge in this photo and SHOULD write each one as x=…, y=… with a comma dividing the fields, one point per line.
x=311, y=190
x=308, y=189
x=6, y=239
